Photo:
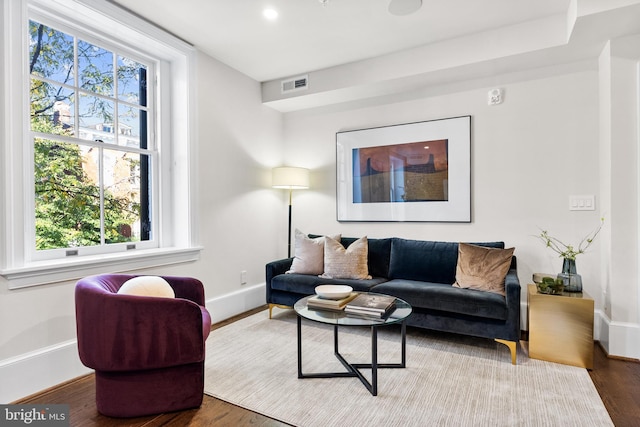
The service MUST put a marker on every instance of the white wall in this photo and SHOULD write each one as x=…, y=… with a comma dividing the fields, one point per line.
x=569, y=131
x=528, y=155
x=619, y=69
x=239, y=141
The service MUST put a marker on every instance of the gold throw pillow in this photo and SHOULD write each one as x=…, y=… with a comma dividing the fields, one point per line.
x=482, y=268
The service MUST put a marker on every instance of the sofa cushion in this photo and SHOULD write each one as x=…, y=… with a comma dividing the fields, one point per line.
x=426, y=261
x=346, y=263
x=309, y=254
x=444, y=297
x=483, y=269
x=305, y=284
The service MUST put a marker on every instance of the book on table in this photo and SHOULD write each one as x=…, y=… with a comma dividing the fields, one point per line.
x=316, y=302
x=371, y=305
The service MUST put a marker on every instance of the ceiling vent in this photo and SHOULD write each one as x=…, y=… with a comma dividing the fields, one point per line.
x=295, y=84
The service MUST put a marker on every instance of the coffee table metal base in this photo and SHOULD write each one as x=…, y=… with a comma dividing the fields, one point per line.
x=353, y=369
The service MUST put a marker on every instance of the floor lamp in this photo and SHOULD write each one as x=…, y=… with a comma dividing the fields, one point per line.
x=291, y=179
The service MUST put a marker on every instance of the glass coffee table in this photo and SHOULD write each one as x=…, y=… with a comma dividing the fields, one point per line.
x=340, y=318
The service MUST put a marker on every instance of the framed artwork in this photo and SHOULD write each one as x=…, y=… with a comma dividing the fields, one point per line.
x=408, y=172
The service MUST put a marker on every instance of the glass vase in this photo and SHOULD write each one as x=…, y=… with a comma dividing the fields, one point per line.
x=571, y=279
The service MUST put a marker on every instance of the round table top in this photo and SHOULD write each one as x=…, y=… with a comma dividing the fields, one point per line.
x=400, y=313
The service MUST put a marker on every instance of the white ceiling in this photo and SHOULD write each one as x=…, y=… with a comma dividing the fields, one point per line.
x=308, y=36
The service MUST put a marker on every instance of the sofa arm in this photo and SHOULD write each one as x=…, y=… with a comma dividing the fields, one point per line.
x=512, y=287
x=187, y=288
x=275, y=268
x=123, y=332
x=183, y=287
x=512, y=293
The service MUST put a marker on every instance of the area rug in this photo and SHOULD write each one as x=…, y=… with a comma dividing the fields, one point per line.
x=450, y=380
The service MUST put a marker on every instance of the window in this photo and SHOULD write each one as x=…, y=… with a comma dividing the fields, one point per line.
x=97, y=144
x=92, y=185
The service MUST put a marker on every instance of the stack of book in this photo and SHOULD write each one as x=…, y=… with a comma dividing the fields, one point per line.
x=318, y=303
x=371, y=306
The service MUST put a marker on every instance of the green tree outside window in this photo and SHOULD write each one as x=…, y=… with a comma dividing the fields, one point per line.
x=86, y=194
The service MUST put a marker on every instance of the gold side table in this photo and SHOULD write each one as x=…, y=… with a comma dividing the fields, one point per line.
x=561, y=327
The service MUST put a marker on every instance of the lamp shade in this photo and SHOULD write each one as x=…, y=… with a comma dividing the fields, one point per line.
x=290, y=178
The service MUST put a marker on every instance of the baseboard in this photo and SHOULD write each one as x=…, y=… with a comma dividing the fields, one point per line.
x=229, y=305
x=619, y=339
x=38, y=370
x=598, y=321
x=524, y=326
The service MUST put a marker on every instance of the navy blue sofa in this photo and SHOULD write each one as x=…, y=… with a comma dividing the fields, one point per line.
x=421, y=273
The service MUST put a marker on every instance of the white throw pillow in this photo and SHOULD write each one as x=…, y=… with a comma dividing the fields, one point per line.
x=349, y=263
x=309, y=254
x=147, y=286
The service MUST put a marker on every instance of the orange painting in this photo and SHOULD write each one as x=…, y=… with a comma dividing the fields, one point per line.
x=410, y=172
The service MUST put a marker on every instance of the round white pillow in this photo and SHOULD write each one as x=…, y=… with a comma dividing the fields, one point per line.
x=147, y=286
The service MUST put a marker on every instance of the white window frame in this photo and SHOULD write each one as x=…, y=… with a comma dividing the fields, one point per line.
x=177, y=220
x=152, y=152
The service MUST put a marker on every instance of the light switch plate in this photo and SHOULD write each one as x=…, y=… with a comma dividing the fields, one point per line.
x=582, y=203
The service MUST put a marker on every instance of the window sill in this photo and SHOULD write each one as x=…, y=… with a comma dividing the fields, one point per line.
x=46, y=272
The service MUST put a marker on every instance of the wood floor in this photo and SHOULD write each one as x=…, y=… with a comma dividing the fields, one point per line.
x=617, y=382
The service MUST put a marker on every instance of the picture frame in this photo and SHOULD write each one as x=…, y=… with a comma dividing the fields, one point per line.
x=413, y=172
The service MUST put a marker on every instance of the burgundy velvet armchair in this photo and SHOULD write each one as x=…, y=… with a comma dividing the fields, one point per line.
x=147, y=352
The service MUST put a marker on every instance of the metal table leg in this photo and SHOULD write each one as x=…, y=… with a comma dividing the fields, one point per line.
x=353, y=369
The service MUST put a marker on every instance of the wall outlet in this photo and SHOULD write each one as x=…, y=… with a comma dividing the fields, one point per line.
x=243, y=277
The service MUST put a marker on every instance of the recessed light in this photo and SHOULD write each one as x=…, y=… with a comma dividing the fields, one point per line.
x=270, y=14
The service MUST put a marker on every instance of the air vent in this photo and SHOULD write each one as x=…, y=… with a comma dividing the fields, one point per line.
x=295, y=84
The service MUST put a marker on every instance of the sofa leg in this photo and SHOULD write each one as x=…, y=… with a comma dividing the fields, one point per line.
x=512, y=348
x=277, y=305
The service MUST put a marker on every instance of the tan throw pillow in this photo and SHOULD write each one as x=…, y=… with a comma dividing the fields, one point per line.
x=309, y=254
x=482, y=268
x=350, y=263
x=147, y=286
